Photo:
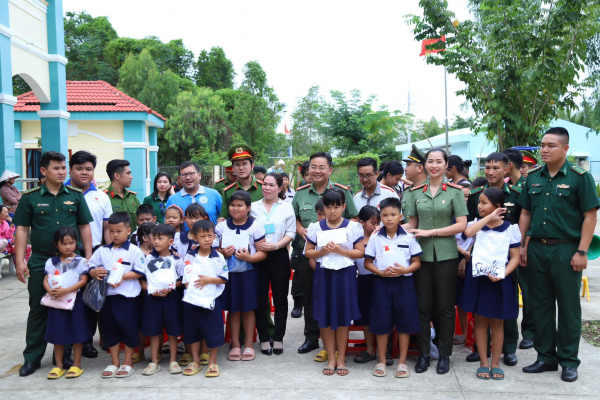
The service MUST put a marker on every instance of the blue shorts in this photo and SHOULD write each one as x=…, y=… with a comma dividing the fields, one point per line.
x=394, y=303
x=161, y=312
x=203, y=324
x=118, y=320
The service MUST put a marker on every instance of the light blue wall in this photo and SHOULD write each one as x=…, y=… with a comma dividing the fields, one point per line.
x=18, y=155
x=135, y=132
x=7, y=136
x=153, y=140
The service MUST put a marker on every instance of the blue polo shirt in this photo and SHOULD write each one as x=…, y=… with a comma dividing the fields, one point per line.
x=208, y=198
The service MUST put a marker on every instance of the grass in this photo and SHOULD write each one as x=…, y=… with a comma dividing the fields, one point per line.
x=590, y=330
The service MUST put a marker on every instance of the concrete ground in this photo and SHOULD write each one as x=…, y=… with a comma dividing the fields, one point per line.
x=291, y=375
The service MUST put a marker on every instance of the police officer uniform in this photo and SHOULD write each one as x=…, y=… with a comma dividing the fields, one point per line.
x=129, y=203
x=224, y=182
x=417, y=156
x=240, y=152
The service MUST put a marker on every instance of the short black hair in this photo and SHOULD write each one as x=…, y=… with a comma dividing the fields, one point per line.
x=368, y=212
x=304, y=168
x=319, y=207
x=145, y=209
x=120, y=217
x=391, y=202
x=322, y=154
x=144, y=229
x=187, y=164
x=51, y=156
x=204, y=225
x=164, y=230
x=479, y=182
x=284, y=175
x=497, y=157
x=116, y=167
x=241, y=195
x=81, y=157
x=334, y=197
x=514, y=156
x=365, y=162
x=259, y=169
x=394, y=168
x=559, y=131
x=65, y=231
x=495, y=196
x=195, y=210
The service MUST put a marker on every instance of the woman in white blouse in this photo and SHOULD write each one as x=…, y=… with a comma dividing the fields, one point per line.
x=279, y=221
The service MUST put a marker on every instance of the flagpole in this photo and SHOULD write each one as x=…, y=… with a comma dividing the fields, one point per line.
x=446, y=101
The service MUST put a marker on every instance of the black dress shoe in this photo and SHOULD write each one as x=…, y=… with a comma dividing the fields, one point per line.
x=422, y=364
x=297, y=312
x=308, y=346
x=473, y=357
x=89, y=351
x=526, y=344
x=510, y=359
x=29, y=368
x=569, y=374
x=278, y=352
x=539, y=367
x=443, y=365
x=267, y=352
x=67, y=362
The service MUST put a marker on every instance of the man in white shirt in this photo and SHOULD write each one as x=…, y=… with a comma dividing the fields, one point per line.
x=372, y=192
x=81, y=168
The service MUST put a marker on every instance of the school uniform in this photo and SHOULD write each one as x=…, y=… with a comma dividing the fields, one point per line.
x=201, y=323
x=490, y=299
x=162, y=312
x=394, y=301
x=119, y=318
x=241, y=292
x=464, y=243
x=65, y=327
x=335, y=297
x=364, y=288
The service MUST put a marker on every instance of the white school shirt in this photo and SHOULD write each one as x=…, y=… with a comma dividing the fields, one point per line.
x=381, y=192
x=463, y=243
x=354, y=232
x=289, y=195
x=134, y=260
x=506, y=228
x=254, y=229
x=100, y=208
x=281, y=216
x=403, y=243
x=70, y=272
x=215, y=260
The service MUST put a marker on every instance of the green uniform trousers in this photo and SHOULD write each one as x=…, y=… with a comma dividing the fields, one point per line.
x=553, y=282
x=311, y=327
x=527, y=325
x=38, y=315
x=435, y=283
x=296, y=280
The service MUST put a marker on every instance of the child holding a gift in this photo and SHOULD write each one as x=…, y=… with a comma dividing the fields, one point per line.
x=486, y=293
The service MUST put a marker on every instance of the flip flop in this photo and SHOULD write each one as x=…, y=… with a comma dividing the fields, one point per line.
x=342, y=369
x=174, y=368
x=328, y=371
x=235, y=354
x=113, y=371
x=151, y=369
x=127, y=369
x=459, y=339
x=185, y=359
x=193, y=368
x=364, y=357
x=213, y=371
x=321, y=356
x=138, y=357
x=497, y=371
x=204, y=357
x=58, y=373
x=483, y=370
x=380, y=367
x=249, y=354
x=402, y=368
x=75, y=371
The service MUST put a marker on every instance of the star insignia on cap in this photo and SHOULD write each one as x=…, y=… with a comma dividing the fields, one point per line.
x=239, y=150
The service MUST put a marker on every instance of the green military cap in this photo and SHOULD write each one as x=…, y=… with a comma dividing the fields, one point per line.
x=416, y=155
x=240, y=151
x=529, y=157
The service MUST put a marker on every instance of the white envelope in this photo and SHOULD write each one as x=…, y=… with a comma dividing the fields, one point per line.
x=388, y=259
x=336, y=236
x=237, y=241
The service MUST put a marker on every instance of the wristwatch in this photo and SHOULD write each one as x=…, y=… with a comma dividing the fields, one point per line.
x=581, y=252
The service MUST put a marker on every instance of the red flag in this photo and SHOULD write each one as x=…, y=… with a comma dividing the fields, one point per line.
x=428, y=42
x=286, y=130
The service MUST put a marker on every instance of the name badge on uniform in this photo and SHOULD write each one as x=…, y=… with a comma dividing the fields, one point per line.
x=269, y=228
x=509, y=204
x=563, y=186
x=536, y=184
x=43, y=205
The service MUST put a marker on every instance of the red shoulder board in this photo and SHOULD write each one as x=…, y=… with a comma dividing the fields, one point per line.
x=220, y=180
x=417, y=187
x=342, y=186
x=454, y=185
x=230, y=186
x=132, y=192
x=105, y=190
x=259, y=181
x=303, y=187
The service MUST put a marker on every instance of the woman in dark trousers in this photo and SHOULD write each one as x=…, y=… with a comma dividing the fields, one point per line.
x=279, y=221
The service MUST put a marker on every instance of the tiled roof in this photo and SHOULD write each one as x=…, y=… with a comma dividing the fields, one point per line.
x=89, y=96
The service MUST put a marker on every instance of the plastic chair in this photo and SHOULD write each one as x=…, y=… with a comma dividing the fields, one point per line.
x=586, y=288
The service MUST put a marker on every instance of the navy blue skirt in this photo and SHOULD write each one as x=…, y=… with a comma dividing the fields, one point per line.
x=161, y=312
x=241, y=292
x=69, y=327
x=489, y=299
x=365, y=295
x=335, y=297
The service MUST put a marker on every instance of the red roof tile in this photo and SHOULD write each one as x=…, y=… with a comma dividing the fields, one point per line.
x=89, y=96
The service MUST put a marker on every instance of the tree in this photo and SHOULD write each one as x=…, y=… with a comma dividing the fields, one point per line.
x=19, y=86
x=460, y=123
x=214, y=70
x=307, y=130
x=519, y=60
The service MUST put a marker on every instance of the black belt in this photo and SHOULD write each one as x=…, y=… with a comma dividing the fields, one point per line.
x=551, y=241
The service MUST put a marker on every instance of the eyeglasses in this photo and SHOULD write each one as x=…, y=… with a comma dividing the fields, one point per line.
x=365, y=177
x=188, y=174
x=321, y=168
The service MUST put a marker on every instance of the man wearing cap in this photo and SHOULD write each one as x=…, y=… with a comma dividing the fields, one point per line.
x=242, y=158
x=529, y=162
x=9, y=193
x=372, y=192
x=230, y=177
x=415, y=172
x=260, y=172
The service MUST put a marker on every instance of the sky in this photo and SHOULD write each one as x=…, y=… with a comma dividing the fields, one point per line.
x=338, y=45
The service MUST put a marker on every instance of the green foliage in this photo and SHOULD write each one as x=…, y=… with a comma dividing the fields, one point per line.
x=214, y=70
x=19, y=86
x=307, y=130
x=598, y=190
x=587, y=115
x=460, y=123
x=520, y=60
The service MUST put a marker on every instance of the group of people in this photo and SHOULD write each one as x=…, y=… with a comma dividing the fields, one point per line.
x=412, y=246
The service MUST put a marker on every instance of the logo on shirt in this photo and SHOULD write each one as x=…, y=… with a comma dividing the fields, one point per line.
x=203, y=200
x=142, y=260
x=68, y=202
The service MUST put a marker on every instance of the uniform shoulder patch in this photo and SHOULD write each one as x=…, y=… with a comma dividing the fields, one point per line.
x=132, y=192
x=32, y=190
x=220, y=180
x=578, y=169
x=230, y=186
x=454, y=185
x=535, y=169
x=476, y=190
x=385, y=187
x=515, y=188
x=413, y=188
x=75, y=189
x=105, y=190
x=259, y=181
x=342, y=186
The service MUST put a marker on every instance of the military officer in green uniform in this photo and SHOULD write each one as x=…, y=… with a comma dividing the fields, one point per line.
x=557, y=225
x=414, y=172
x=228, y=180
x=46, y=209
x=513, y=171
x=122, y=199
x=242, y=158
x=304, y=207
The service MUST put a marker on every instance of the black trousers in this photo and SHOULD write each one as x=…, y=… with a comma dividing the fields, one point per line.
x=296, y=279
x=435, y=283
x=311, y=327
x=274, y=270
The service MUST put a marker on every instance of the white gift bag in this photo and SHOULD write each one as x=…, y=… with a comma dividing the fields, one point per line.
x=336, y=261
x=206, y=296
x=490, y=253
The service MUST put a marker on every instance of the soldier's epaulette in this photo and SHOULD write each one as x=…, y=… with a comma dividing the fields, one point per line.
x=303, y=187
x=476, y=190
x=416, y=187
x=342, y=186
x=74, y=188
x=578, y=169
x=535, y=169
x=230, y=186
x=132, y=192
x=35, y=189
x=220, y=180
x=259, y=181
x=105, y=190
x=454, y=185
x=515, y=188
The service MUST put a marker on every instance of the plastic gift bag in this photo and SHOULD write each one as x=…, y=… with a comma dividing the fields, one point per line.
x=206, y=296
x=335, y=261
x=94, y=295
x=235, y=265
x=160, y=275
x=489, y=254
x=65, y=302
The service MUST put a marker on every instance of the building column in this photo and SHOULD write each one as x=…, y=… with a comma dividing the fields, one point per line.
x=7, y=100
x=19, y=154
x=134, y=144
x=54, y=114
x=153, y=151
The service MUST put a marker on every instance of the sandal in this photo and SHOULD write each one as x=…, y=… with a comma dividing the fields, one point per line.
x=185, y=359
x=128, y=371
x=204, y=357
x=235, y=354
x=213, y=371
x=342, y=371
x=380, y=370
x=192, y=369
x=321, y=356
x=74, y=372
x=483, y=370
x=151, y=369
x=138, y=357
x=399, y=371
x=328, y=371
x=497, y=371
x=56, y=373
x=112, y=371
x=459, y=339
x=249, y=354
x=174, y=368
x=364, y=357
